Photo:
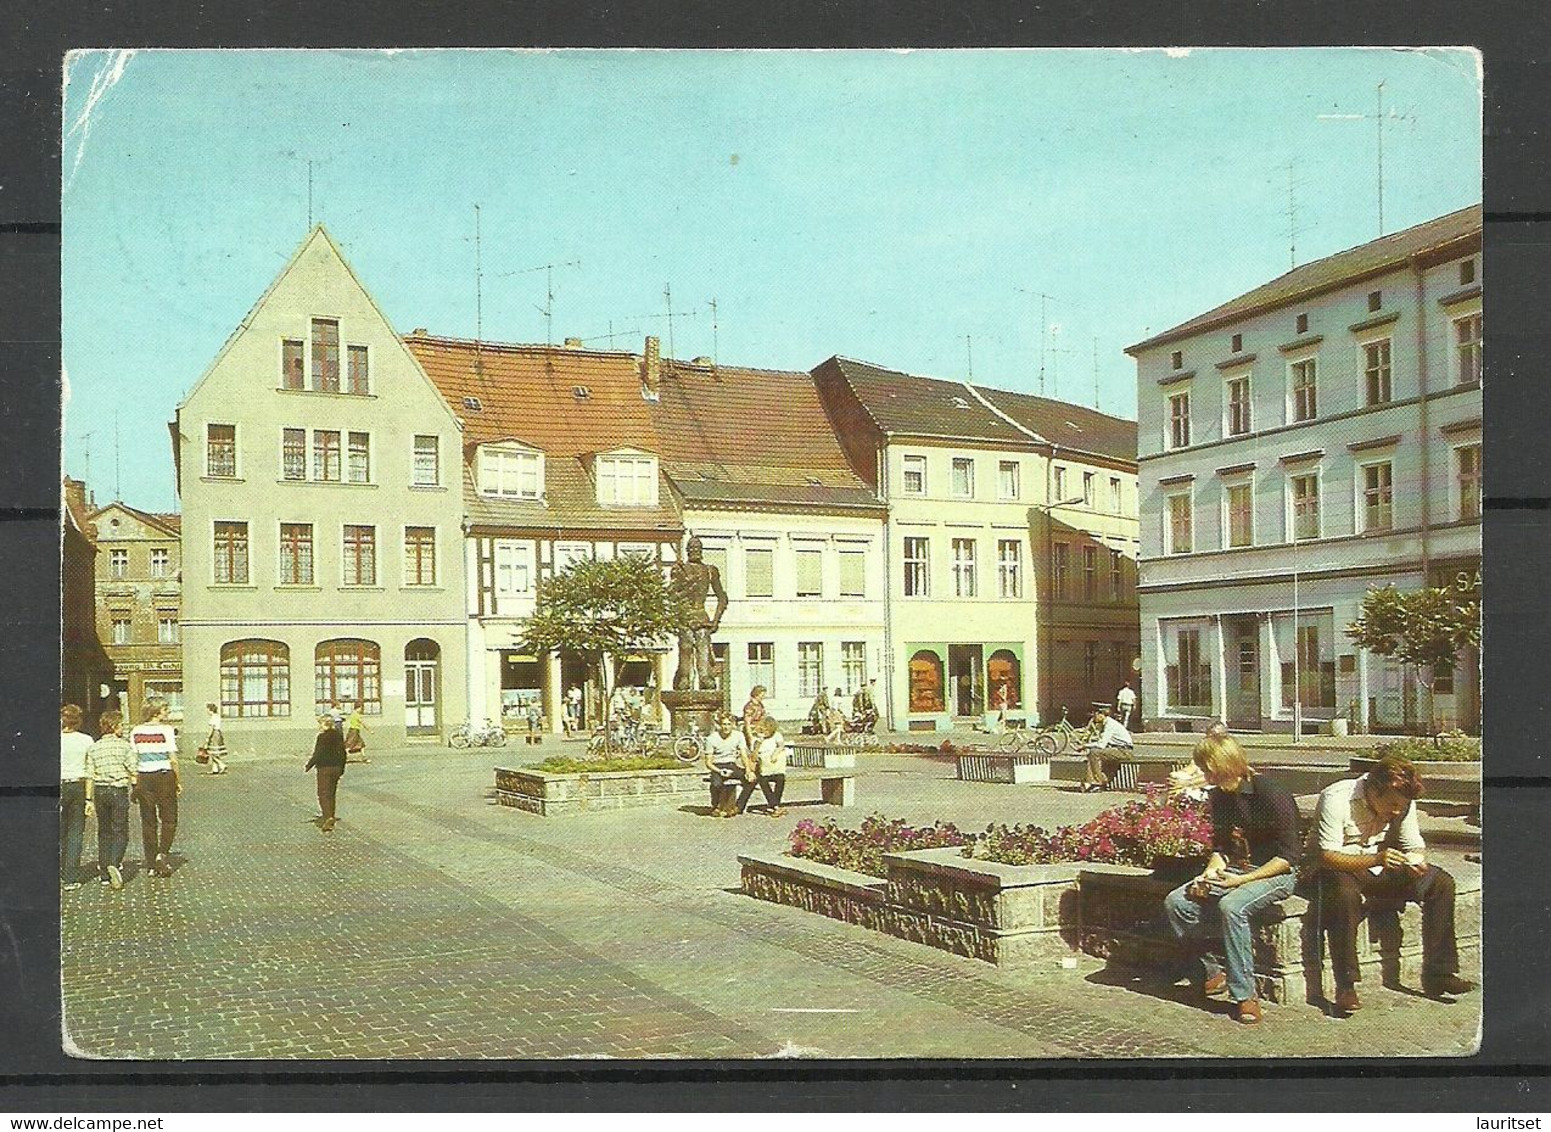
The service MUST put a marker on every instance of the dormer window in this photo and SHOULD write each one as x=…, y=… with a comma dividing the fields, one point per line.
x=627, y=479
x=510, y=472
x=472, y=404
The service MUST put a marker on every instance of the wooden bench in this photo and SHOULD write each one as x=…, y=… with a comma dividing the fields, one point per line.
x=837, y=787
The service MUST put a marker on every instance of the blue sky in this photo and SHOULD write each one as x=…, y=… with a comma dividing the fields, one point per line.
x=881, y=205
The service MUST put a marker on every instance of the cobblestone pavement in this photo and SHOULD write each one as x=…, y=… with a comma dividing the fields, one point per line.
x=433, y=924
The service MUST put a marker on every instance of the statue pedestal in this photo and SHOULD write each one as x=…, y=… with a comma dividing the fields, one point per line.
x=697, y=709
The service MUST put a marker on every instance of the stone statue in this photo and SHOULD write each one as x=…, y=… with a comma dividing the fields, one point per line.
x=693, y=580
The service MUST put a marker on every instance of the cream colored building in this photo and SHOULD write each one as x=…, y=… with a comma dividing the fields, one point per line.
x=319, y=471
x=975, y=620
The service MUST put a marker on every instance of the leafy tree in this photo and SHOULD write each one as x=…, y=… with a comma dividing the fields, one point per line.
x=1425, y=629
x=604, y=608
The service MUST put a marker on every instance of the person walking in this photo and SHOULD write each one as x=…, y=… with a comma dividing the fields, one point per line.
x=754, y=716
x=1125, y=704
x=111, y=766
x=767, y=761
x=215, y=741
x=156, y=786
x=1253, y=864
x=573, y=710
x=75, y=798
x=355, y=737
x=818, y=714
x=328, y=756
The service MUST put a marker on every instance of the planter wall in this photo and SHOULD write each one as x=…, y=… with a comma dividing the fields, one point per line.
x=983, y=766
x=555, y=795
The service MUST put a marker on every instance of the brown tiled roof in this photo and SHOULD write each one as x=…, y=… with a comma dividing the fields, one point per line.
x=526, y=393
x=902, y=404
x=1069, y=426
x=736, y=435
x=1372, y=258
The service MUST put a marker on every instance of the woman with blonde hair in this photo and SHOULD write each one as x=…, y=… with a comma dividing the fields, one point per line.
x=1253, y=864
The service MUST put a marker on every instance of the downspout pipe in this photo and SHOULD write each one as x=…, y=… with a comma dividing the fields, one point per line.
x=1423, y=415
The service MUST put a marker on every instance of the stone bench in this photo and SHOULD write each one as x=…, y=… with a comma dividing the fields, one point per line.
x=995, y=766
x=1132, y=772
x=1122, y=922
x=835, y=787
x=559, y=795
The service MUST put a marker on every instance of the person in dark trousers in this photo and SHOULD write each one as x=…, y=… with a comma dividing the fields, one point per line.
x=1369, y=847
x=75, y=795
x=157, y=786
x=1255, y=854
x=328, y=756
x=112, y=766
x=767, y=766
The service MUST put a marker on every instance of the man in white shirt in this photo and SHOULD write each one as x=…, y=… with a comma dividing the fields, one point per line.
x=156, y=786
x=726, y=756
x=1125, y=704
x=1112, y=736
x=1369, y=848
x=75, y=794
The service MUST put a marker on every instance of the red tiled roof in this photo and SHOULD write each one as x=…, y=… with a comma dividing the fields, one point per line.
x=735, y=435
x=1376, y=256
x=570, y=503
x=526, y=393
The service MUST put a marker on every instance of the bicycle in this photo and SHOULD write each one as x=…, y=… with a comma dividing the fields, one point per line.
x=486, y=733
x=1049, y=739
x=690, y=746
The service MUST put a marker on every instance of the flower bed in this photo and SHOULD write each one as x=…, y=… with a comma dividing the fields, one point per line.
x=1450, y=747
x=861, y=850
x=564, y=764
x=1137, y=833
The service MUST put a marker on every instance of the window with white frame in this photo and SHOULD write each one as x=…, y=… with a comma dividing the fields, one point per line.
x=1467, y=348
x=513, y=567
x=122, y=628
x=963, y=477
x=1009, y=480
x=853, y=572
x=963, y=567
x=1239, y=501
x=567, y=554
x=161, y=561
x=1117, y=575
x=1303, y=502
x=627, y=480
x=1237, y=399
x=915, y=475
x=427, y=468
x=917, y=566
x=1114, y=495
x=325, y=455
x=420, y=556
x=360, y=463
x=293, y=453
x=118, y=562
x=759, y=571
x=510, y=473
x=1467, y=476
x=714, y=555
x=1376, y=372
x=296, y=557
x=325, y=355
x=1059, y=486
x=357, y=370
x=1090, y=573
x=231, y=553
x=1301, y=378
x=293, y=364
x=1009, y=568
x=1062, y=553
x=1187, y=675
x=1178, y=532
x=1088, y=480
x=1179, y=420
x=221, y=451
x=810, y=668
x=166, y=628
x=762, y=665
x=853, y=664
x=810, y=572
x=1378, y=509
x=360, y=556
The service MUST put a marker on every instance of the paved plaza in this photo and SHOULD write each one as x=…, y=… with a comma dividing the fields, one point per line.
x=433, y=923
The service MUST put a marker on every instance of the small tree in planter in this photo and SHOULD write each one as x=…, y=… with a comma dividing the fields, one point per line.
x=604, y=609
x=1425, y=629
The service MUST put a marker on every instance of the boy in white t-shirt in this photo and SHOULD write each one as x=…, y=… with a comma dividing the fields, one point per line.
x=726, y=752
x=156, y=785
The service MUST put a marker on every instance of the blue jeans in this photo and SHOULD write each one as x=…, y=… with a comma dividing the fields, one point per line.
x=1228, y=919
x=112, y=804
x=72, y=828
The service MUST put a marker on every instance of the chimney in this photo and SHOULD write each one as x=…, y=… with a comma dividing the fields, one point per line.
x=573, y=343
x=75, y=495
x=651, y=369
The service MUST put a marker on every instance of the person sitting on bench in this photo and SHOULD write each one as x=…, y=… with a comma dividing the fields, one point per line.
x=1112, y=737
x=1369, y=848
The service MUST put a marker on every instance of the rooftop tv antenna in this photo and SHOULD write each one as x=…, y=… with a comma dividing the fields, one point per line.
x=309, y=194
x=969, y=358
x=711, y=302
x=1378, y=118
x=548, y=309
x=1095, y=373
x=1044, y=331
x=667, y=294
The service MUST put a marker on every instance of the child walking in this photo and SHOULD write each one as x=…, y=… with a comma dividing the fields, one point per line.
x=215, y=741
